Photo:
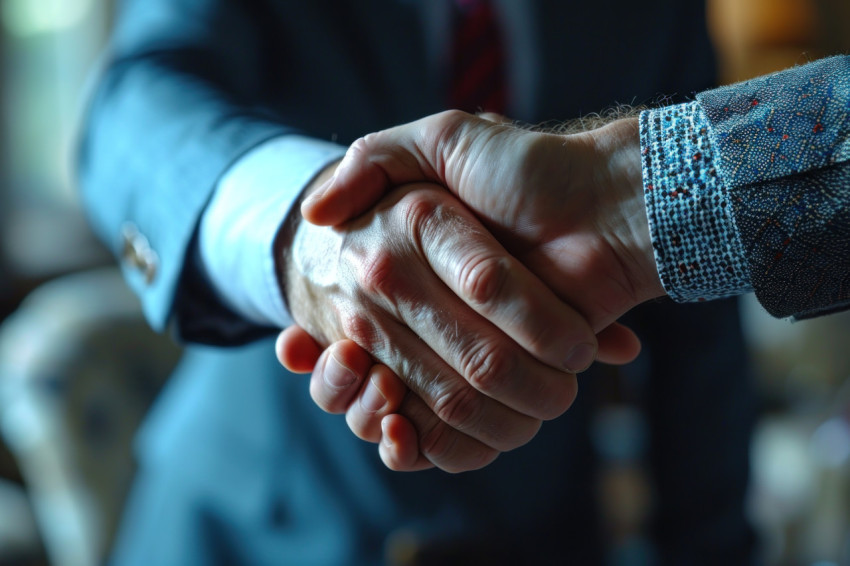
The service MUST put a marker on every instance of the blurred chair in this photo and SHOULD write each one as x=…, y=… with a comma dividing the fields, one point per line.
x=79, y=368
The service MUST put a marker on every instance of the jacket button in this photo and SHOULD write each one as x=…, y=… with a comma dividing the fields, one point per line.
x=137, y=253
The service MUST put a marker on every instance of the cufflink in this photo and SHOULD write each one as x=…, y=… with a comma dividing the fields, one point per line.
x=137, y=253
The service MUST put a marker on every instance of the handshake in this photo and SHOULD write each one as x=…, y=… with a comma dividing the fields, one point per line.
x=451, y=276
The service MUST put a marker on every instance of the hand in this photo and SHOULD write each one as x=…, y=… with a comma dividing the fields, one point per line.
x=423, y=287
x=568, y=207
x=451, y=148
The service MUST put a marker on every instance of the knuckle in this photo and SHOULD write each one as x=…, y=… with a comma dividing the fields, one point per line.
x=459, y=407
x=482, y=279
x=378, y=275
x=426, y=221
x=451, y=124
x=373, y=334
x=487, y=366
x=419, y=211
x=360, y=329
x=436, y=442
x=451, y=117
x=452, y=452
x=447, y=149
x=360, y=146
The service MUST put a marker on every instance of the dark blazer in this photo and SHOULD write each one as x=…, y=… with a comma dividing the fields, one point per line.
x=236, y=464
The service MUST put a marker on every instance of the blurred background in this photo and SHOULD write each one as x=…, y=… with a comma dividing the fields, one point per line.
x=68, y=326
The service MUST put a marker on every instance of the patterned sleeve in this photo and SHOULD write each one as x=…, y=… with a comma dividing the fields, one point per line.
x=749, y=187
x=697, y=249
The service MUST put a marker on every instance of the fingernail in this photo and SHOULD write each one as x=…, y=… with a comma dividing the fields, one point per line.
x=373, y=400
x=337, y=375
x=580, y=358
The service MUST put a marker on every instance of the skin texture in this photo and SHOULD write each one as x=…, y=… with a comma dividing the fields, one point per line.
x=422, y=286
x=569, y=208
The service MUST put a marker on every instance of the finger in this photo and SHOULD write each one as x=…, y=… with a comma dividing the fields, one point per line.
x=296, y=350
x=445, y=447
x=492, y=365
x=381, y=161
x=441, y=445
x=481, y=273
x=340, y=371
x=445, y=393
x=399, y=447
x=441, y=347
x=618, y=345
x=382, y=394
x=503, y=291
x=335, y=201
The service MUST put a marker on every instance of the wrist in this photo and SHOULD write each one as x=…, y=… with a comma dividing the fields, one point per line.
x=617, y=146
x=289, y=246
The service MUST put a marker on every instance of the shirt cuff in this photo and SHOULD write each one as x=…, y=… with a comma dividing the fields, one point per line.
x=239, y=225
x=697, y=246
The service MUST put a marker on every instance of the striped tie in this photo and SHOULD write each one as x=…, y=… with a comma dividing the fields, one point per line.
x=478, y=59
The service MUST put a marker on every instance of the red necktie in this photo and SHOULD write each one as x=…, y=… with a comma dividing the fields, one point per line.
x=478, y=59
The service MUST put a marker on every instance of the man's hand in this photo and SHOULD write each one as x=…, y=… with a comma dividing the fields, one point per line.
x=568, y=207
x=423, y=287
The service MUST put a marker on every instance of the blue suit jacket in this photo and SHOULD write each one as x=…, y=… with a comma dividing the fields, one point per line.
x=237, y=465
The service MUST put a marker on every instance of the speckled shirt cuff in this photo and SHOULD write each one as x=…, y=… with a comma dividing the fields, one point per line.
x=697, y=248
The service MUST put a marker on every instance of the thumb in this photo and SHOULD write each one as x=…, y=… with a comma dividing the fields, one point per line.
x=379, y=162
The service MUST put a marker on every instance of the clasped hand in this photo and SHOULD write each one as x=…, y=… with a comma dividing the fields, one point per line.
x=483, y=312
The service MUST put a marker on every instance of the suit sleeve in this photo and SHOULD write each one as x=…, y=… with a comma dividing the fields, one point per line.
x=178, y=103
x=779, y=148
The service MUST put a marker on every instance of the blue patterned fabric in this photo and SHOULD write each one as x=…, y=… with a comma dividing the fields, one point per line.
x=781, y=124
x=779, y=145
x=697, y=249
x=797, y=234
